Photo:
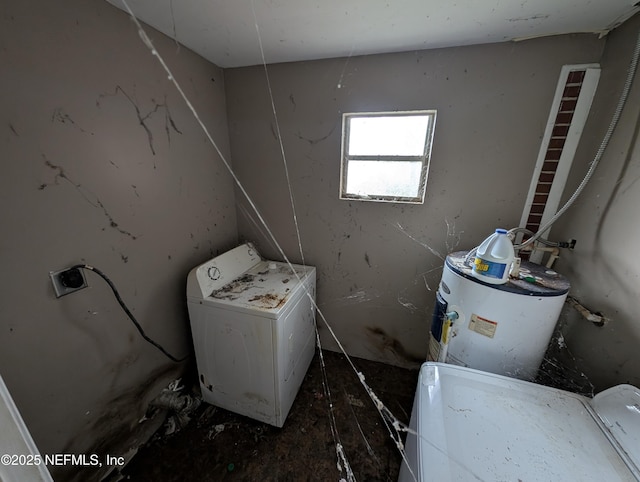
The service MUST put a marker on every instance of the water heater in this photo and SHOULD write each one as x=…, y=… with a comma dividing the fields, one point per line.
x=503, y=329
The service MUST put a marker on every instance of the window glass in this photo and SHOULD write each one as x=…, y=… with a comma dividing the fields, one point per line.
x=388, y=136
x=385, y=155
x=384, y=178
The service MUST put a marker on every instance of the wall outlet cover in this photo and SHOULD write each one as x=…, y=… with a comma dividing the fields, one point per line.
x=67, y=281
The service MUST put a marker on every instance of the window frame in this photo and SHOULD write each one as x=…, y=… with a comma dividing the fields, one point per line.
x=424, y=159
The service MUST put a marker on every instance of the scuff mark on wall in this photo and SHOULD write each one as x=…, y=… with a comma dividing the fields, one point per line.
x=142, y=119
x=526, y=19
x=112, y=223
x=366, y=258
x=168, y=122
x=61, y=174
x=315, y=141
x=13, y=130
x=62, y=117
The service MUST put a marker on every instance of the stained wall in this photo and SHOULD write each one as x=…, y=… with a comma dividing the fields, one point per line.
x=102, y=164
x=379, y=264
x=605, y=221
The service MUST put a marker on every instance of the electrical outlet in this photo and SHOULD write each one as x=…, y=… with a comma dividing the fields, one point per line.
x=67, y=281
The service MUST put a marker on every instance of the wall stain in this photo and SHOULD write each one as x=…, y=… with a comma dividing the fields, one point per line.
x=293, y=101
x=61, y=116
x=385, y=342
x=125, y=259
x=13, y=130
x=366, y=258
x=315, y=141
x=111, y=430
x=142, y=119
x=61, y=174
x=112, y=223
x=168, y=122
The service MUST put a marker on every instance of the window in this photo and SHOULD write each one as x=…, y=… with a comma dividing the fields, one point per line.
x=385, y=155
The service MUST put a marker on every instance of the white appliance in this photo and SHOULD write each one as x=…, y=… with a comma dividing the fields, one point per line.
x=503, y=329
x=473, y=425
x=253, y=327
x=24, y=462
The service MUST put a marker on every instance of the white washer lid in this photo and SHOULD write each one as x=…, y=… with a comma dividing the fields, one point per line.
x=474, y=425
x=619, y=409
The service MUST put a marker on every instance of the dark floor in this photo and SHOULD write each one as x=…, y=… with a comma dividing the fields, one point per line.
x=219, y=445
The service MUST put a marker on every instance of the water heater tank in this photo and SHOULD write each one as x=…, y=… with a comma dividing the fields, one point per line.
x=503, y=329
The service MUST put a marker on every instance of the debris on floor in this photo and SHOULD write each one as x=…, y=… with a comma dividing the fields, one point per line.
x=179, y=404
x=219, y=445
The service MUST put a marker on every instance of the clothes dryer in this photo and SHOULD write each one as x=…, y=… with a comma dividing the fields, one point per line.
x=253, y=327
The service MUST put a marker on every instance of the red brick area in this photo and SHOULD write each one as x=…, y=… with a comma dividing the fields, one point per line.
x=554, y=149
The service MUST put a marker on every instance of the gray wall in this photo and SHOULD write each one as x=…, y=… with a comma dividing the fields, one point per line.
x=379, y=264
x=605, y=220
x=83, y=181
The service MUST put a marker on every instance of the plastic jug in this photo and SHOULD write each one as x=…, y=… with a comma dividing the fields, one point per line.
x=494, y=258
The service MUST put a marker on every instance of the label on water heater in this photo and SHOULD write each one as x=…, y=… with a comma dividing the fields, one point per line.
x=489, y=269
x=483, y=326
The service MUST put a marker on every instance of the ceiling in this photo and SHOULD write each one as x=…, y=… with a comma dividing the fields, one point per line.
x=235, y=33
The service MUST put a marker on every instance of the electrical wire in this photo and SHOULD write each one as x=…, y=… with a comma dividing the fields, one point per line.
x=128, y=312
x=603, y=145
x=546, y=242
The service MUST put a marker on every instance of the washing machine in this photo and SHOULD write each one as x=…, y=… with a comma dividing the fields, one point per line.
x=474, y=425
x=503, y=329
x=253, y=327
